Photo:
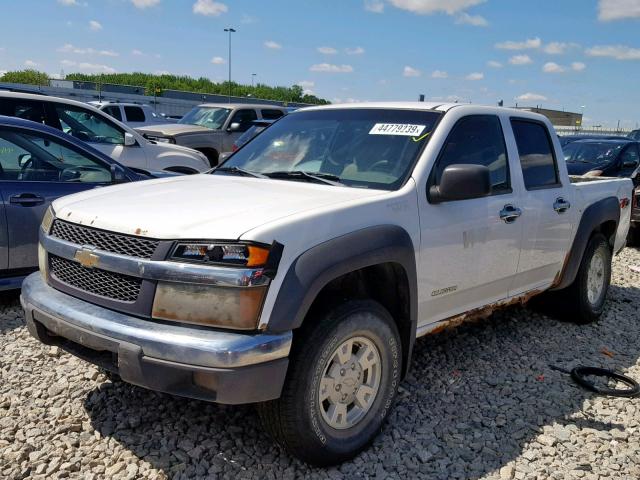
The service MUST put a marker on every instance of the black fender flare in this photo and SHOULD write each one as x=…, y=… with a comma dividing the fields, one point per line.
x=605, y=210
x=310, y=272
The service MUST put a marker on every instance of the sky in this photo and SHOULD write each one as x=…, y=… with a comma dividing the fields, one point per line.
x=575, y=55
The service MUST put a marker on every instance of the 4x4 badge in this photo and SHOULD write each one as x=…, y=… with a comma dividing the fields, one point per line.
x=86, y=257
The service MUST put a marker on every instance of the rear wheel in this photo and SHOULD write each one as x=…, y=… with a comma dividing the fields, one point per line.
x=586, y=296
x=341, y=384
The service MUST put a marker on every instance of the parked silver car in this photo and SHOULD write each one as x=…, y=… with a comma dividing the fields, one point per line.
x=211, y=128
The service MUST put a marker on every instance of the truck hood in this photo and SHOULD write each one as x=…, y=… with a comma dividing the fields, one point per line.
x=199, y=206
x=172, y=129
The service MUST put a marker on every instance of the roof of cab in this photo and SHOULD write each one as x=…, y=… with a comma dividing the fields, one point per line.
x=242, y=105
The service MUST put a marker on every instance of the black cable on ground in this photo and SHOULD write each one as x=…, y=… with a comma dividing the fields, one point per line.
x=580, y=374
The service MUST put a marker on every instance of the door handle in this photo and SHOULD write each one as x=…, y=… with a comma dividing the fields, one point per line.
x=510, y=213
x=26, y=199
x=561, y=205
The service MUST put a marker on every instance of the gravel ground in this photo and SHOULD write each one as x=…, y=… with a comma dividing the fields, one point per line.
x=480, y=402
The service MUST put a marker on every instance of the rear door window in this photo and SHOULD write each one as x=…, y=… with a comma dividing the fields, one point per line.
x=114, y=111
x=26, y=109
x=88, y=126
x=537, y=157
x=134, y=114
x=271, y=114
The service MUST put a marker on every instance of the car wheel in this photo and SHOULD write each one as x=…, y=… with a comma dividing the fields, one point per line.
x=586, y=296
x=343, y=378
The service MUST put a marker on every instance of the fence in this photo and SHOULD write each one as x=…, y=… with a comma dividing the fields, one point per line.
x=592, y=131
x=172, y=102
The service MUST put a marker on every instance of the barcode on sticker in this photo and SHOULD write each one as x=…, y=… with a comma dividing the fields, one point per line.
x=405, y=129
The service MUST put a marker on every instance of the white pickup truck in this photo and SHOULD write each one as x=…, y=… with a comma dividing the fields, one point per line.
x=299, y=273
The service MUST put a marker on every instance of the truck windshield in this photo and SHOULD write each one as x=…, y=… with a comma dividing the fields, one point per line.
x=592, y=152
x=209, y=117
x=366, y=148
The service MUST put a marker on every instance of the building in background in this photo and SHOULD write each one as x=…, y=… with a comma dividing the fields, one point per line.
x=558, y=118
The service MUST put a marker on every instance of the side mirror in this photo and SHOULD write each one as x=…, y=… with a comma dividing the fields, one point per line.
x=117, y=174
x=462, y=182
x=129, y=140
x=234, y=127
x=223, y=156
x=24, y=159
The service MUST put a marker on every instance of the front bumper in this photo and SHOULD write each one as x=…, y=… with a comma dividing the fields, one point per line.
x=189, y=361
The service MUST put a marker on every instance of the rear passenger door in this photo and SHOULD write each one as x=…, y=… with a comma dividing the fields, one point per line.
x=547, y=211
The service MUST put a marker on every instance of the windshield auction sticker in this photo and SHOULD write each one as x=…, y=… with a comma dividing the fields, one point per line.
x=405, y=129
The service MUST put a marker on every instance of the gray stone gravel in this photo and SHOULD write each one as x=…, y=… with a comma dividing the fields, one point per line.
x=480, y=402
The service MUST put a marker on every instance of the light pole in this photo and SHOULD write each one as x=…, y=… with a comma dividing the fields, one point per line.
x=253, y=76
x=230, y=30
x=582, y=107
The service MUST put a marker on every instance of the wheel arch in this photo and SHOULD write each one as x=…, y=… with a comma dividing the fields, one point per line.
x=375, y=262
x=603, y=217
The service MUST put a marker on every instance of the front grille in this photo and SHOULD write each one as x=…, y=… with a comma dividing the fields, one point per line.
x=97, y=282
x=107, y=241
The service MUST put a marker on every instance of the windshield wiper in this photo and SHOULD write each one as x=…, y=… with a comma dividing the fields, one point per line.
x=238, y=171
x=318, y=177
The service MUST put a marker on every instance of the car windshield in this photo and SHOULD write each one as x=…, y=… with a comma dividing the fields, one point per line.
x=592, y=152
x=367, y=148
x=209, y=117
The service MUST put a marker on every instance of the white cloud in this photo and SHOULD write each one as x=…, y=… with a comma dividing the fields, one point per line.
x=476, y=20
x=558, y=48
x=30, y=64
x=552, y=67
x=520, y=60
x=218, y=61
x=411, y=72
x=273, y=45
x=69, y=48
x=531, y=97
x=578, y=66
x=619, y=52
x=95, y=68
x=354, y=51
x=327, y=50
x=142, y=4
x=95, y=25
x=68, y=63
x=375, y=6
x=68, y=3
x=527, y=44
x=330, y=68
x=137, y=52
x=609, y=10
x=494, y=64
x=439, y=74
x=428, y=7
x=306, y=83
x=162, y=72
x=475, y=76
x=209, y=8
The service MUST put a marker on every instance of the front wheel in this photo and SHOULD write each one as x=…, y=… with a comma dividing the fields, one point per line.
x=342, y=381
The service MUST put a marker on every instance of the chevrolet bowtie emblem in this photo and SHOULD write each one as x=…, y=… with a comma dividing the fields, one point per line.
x=86, y=257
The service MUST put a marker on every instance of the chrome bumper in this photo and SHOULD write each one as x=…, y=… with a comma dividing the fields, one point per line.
x=183, y=344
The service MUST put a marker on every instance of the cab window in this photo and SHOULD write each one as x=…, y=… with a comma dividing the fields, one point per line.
x=537, y=159
x=134, y=114
x=114, y=112
x=477, y=140
x=244, y=118
x=41, y=159
x=88, y=126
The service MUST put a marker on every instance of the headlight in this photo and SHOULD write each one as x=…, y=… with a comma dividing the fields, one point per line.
x=211, y=305
x=47, y=220
x=241, y=255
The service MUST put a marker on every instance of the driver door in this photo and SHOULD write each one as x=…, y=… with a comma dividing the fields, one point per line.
x=34, y=172
x=98, y=131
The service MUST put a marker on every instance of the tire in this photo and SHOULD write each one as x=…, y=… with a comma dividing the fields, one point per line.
x=300, y=421
x=587, y=307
